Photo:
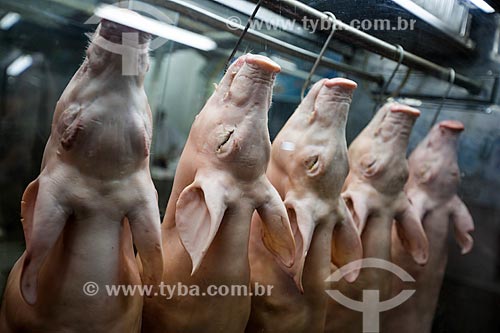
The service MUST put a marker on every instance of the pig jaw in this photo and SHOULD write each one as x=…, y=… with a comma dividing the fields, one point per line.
x=238, y=139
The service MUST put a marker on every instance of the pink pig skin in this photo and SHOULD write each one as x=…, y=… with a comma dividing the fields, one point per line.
x=220, y=182
x=432, y=188
x=308, y=167
x=93, y=194
x=374, y=193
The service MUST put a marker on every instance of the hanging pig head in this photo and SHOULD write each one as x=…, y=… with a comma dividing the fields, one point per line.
x=222, y=170
x=308, y=167
x=378, y=173
x=96, y=162
x=435, y=177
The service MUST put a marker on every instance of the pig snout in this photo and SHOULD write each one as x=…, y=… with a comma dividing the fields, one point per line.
x=443, y=137
x=115, y=33
x=326, y=104
x=262, y=64
x=405, y=110
x=333, y=101
x=342, y=87
x=117, y=47
x=398, y=122
x=452, y=125
x=251, y=78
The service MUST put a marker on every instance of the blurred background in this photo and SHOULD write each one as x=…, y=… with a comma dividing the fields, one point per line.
x=42, y=43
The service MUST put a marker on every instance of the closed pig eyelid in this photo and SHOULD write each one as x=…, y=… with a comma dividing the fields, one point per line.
x=225, y=140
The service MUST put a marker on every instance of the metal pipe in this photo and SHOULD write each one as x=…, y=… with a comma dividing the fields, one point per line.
x=221, y=23
x=298, y=10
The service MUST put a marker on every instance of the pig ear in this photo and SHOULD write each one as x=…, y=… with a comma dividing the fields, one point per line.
x=276, y=231
x=346, y=243
x=145, y=226
x=27, y=208
x=412, y=234
x=44, y=218
x=302, y=223
x=357, y=206
x=199, y=212
x=418, y=200
x=463, y=224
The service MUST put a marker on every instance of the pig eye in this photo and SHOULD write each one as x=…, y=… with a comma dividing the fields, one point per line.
x=225, y=140
x=369, y=166
x=311, y=162
x=313, y=165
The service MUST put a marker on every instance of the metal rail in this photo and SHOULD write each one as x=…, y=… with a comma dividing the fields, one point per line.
x=221, y=23
x=297, y=10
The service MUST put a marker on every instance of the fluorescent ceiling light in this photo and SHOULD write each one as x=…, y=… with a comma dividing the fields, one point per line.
x=8, y=20
x=19, y=65
x=155, y=27
x=481, y=4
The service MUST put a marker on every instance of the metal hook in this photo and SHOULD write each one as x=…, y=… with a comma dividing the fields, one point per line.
x=438, y=112
x=320, y=56
x=403, y=83
x=401, y=52
x=240, y=39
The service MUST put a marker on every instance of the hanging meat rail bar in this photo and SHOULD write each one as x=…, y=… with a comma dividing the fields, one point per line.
x=221, y=23
x=297, y=10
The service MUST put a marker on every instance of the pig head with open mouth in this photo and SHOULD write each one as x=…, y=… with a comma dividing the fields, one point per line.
x=94, y=193
x=308, y=168
x=220, y=182
x=432, y=189
x=374, y=193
